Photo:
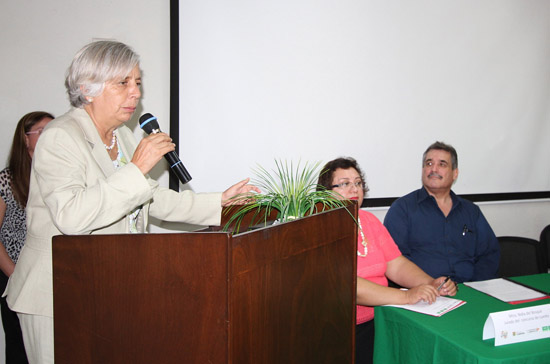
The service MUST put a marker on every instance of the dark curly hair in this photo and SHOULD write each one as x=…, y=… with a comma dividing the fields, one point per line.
x=327, y=172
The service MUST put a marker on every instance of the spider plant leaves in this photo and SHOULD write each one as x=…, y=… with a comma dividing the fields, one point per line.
x=289, y=189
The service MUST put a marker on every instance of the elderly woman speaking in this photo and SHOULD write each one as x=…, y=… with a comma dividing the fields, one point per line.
x=89, y=177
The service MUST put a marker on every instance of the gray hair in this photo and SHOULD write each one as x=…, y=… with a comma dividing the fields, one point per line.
x=95, y=64
x=445, y=147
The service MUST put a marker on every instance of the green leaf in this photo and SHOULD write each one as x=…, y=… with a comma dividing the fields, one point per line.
x=291, y=190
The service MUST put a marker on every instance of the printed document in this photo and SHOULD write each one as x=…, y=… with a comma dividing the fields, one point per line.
x=506, y=290
x=441, y=306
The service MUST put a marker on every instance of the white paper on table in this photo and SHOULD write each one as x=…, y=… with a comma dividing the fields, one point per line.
x=441, y=306
x=505, y=290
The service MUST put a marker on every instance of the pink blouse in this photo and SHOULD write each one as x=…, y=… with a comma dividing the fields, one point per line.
x=381, y=249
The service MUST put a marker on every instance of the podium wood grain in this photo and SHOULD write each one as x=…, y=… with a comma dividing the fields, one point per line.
x=280, y=294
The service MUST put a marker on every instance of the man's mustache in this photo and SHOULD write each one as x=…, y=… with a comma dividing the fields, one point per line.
x=434, y=174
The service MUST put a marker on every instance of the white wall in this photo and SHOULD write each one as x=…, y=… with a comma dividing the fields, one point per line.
x=39, y=39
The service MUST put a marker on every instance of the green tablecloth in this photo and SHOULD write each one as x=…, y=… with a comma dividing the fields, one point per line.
x=404, y=336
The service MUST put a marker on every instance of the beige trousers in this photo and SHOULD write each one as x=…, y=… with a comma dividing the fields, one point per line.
x=38, y=337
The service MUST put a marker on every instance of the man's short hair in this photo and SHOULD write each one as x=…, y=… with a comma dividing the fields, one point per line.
x=446, y=147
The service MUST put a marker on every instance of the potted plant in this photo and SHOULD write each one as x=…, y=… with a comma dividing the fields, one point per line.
x=290, y=191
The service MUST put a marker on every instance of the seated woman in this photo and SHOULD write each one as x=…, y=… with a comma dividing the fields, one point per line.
x=378, y=259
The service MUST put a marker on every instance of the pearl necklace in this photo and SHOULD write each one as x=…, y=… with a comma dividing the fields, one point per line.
x=113, y=142
x=363, y=241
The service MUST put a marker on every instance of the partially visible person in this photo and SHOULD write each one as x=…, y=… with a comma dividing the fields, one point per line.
x=442, y=233
x=14, y=191
x=89, y=176
x=378, y=259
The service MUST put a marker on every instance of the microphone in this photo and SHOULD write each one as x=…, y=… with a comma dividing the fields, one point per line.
x=149, y=124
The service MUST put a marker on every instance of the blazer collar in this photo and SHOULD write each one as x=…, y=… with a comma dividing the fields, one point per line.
x=94, y=140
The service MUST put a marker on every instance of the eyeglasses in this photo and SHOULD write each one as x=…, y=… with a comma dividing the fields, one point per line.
x=348, y=185
x=37, y=131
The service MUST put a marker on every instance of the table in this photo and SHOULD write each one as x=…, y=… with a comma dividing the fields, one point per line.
x=404, y=336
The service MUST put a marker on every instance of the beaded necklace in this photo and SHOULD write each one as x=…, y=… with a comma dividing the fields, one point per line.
x=113, y=142
x=363, y=241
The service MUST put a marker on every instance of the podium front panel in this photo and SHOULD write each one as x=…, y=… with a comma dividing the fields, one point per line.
x=141, y=298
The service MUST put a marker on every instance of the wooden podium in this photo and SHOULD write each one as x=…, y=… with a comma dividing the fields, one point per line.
x=278, y=294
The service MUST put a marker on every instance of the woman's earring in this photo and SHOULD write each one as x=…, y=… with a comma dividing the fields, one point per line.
x=89, y=99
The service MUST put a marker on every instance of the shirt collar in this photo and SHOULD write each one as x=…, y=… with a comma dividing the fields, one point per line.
x=424, y=195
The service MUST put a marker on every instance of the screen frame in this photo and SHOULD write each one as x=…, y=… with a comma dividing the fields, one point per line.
x=367, y=202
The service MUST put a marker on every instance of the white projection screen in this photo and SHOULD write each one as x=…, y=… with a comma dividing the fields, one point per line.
x=312, y=80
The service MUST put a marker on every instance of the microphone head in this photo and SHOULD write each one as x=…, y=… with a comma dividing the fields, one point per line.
x=148, y=123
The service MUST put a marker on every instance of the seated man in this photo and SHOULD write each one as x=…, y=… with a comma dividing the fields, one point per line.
x=445, y=235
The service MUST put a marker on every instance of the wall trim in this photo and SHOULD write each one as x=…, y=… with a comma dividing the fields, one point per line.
x=477, y=197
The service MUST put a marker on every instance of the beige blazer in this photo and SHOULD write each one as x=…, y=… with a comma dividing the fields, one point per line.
x=75, y=189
